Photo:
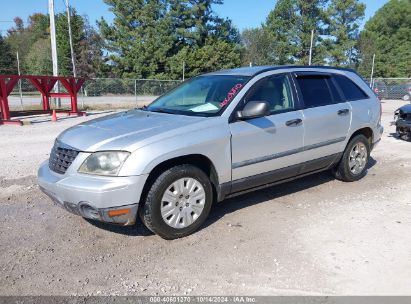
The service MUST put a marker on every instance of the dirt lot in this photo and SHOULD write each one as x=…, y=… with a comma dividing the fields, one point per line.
x=311, y=236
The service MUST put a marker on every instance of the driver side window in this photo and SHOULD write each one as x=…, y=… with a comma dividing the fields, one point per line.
x=275, y=90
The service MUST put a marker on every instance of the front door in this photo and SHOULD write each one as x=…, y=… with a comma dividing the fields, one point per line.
x=267, y=149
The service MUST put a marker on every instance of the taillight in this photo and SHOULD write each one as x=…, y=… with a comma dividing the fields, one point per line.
x=376, y=90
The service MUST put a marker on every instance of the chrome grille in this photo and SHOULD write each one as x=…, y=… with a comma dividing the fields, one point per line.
x=61, y=157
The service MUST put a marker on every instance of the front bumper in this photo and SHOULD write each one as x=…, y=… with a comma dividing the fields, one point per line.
x=94, y=197
x=402, y=123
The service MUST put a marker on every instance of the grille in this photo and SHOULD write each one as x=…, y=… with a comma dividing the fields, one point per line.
x=61, y=158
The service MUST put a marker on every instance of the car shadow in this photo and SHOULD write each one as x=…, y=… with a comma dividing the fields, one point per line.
x=136, y=230
x=396, y=136
x=234, y=204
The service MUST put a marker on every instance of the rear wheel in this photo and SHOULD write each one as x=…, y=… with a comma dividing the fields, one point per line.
x=406, y=97
x=178, y=202
x=353, y=165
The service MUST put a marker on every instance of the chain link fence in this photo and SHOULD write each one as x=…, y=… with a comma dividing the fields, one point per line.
x=392, y=88
x=97, y=93
x=115, y=93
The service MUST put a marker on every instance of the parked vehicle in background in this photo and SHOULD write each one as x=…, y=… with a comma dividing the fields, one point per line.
x=380, y=88
x=216, y=136
x=399, y=91
x=402, y=122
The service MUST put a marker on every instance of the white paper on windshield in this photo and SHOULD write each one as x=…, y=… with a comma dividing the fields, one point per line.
x=205, y=108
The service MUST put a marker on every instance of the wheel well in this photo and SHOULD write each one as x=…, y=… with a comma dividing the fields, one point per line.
x=200, y=161
x=367, y=132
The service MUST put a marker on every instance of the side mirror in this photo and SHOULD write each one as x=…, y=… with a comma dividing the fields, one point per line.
x=254, y=109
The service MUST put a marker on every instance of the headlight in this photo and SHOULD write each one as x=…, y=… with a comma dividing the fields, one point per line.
x=104, y=163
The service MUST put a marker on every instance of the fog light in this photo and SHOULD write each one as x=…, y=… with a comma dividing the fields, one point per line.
x=89, y=212
x=120, y=212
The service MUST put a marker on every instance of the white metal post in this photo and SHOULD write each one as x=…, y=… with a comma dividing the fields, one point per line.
x=184, y=70
x=311, y=48
x=372, y=72
x=19, y=72
x=73, y=62
x=53, y=45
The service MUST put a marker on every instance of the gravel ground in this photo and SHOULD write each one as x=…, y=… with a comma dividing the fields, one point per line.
x=308, y=237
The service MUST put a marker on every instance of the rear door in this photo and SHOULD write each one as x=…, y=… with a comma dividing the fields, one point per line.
x=327, y=118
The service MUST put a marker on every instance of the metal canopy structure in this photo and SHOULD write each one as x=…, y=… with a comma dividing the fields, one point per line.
x=44, y=84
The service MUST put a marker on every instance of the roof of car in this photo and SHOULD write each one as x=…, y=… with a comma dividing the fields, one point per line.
x=253, y=71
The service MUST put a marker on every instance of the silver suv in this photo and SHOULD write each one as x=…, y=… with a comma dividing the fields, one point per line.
x=216, y=136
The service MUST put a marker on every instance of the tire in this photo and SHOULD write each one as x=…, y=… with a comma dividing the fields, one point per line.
x=185, y=216
x=406, y=97
x=344, y=171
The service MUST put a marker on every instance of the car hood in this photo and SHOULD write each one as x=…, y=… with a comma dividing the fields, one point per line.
x=126, y=131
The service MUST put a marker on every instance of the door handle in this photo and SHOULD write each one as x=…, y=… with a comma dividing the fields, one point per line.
x=343, y=112
x=294, y=122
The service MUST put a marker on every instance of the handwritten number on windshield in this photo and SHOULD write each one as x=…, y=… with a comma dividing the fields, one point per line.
x=231, y=95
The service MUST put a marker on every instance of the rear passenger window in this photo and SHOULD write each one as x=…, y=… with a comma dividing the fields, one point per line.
x=350, y=90
x=318, y=90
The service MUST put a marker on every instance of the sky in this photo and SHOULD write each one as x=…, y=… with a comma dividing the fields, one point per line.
x=243, y=13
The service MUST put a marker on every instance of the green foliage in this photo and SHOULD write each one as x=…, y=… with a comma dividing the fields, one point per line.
x=19, y=39
x=63, y=41
x=388, y=35
x=343, y=17
x=289, y=27
x=140, y=38
x=285, y=37
x=258, y=47
x=7, y=58
x=38, y=59
x=214, y=55
x=152, y=38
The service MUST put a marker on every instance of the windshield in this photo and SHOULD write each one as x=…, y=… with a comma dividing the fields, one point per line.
x=200, y=96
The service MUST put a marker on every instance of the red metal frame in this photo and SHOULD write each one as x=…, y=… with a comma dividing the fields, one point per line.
x=44, y=84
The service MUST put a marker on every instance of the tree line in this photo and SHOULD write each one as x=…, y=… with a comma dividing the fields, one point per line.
x=164, y=39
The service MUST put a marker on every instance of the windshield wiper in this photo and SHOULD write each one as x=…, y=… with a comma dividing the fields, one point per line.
x=161, y=110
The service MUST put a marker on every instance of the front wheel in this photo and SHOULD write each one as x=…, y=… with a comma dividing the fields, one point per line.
x=353, y=164
x=178, y=202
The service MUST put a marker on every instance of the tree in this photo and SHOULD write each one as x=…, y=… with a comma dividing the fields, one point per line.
x=258, y=47
x=89, y=60
x=388, y=35
x=343, y=20
x=7, y=61
x=146, y=34
x=214, y=55
x=63, y=41
x=140, y=39
x=19, y=39
x=38, y=59
x=289, y=26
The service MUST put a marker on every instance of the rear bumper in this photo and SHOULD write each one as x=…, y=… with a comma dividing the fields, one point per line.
x=94, y=197
x=377, y=136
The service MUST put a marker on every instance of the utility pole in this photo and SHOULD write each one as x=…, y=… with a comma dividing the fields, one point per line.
x=71, y=39
x=372, y=72
x=53, y=45
x=311, y=48
x=19, y=72
x=53, y=38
